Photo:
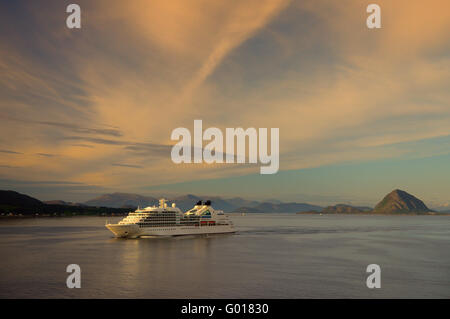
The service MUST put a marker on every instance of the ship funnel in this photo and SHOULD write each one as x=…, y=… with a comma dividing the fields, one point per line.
x=162, y=203
x=173, y=205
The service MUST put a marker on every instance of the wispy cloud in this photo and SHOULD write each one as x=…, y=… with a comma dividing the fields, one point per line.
x=46, y=154
x=9, y=152
x=127, y=165
x=70, y=127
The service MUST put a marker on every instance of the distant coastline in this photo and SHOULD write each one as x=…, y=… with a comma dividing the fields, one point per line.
x=371, y=213
x=14, y=204
x=17, y=205
x=397, y=202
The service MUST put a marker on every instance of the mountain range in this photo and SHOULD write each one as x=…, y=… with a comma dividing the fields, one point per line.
x=235, y=204
x=396, y=202
x=118, y=200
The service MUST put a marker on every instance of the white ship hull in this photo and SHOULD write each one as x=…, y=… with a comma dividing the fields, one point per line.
x=133, y=231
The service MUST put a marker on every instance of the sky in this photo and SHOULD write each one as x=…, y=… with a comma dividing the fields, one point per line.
x=360, y=111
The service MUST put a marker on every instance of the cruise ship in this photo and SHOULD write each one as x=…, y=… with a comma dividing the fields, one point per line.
x=171, y=221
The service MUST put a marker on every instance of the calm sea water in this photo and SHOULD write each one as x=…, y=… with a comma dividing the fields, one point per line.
x=271, y=256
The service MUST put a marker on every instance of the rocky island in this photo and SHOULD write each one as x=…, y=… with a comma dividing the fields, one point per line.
x=397, y=202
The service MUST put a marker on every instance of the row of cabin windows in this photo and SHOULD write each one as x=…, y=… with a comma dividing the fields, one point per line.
x=148, y=215
x=160, y=219
x=157, y=224
x=165, y=225
x=151, y=219
x=164, y=228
